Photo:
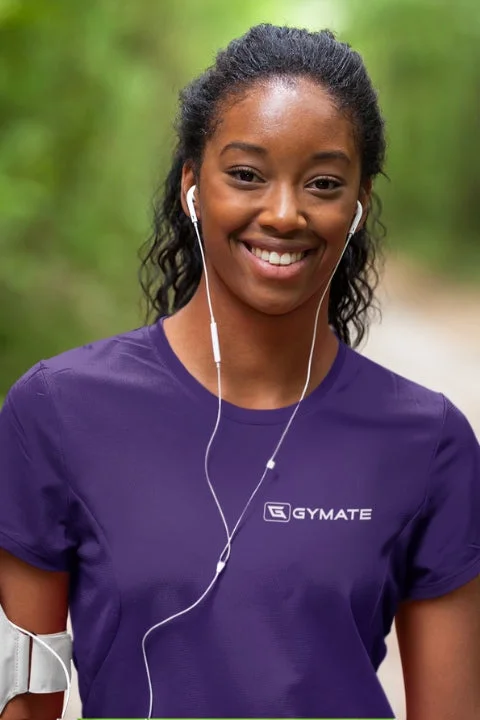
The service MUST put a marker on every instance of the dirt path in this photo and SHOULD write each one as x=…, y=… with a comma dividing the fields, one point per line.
x=430, y=333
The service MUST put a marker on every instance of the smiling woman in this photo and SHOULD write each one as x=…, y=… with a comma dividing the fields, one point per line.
x=289, y=188
x=242, y=503
x=298, y=124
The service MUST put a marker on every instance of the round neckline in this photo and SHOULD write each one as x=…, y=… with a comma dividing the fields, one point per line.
x=236, y=413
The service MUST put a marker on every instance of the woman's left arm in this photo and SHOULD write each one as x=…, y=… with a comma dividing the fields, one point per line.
x=439, y=641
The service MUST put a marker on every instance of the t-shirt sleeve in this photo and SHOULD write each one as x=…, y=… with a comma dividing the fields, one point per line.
x=33, y=491
x=445, y=549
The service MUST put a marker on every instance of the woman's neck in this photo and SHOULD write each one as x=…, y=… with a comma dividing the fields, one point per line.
x=264, y=357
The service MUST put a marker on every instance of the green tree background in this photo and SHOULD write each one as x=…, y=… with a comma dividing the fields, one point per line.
x=88, y=96
x=424, y=57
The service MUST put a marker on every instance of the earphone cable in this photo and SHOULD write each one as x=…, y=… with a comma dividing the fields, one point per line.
x=225, y=554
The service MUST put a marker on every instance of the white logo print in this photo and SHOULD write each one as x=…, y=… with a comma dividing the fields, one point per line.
x=282, y=512
x=277, y=512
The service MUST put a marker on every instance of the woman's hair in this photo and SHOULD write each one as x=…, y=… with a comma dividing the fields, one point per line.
x=171, y=265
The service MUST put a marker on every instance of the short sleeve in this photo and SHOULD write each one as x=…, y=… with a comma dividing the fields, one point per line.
x=33, y=492
x=445, y=545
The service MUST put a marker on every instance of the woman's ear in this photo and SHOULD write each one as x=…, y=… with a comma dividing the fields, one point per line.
x=188, y=179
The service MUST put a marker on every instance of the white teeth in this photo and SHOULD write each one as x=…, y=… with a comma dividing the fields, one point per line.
x=275, y=258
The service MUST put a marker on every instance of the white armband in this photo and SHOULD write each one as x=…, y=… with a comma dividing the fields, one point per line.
x=26, y=665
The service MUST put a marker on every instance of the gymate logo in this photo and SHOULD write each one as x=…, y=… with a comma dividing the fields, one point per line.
x=277, y=512
x=283, y=512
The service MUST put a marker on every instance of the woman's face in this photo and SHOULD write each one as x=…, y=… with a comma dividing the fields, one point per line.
x=277, y=194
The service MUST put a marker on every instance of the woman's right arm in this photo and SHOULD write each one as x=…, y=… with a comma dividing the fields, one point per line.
x=36, y=600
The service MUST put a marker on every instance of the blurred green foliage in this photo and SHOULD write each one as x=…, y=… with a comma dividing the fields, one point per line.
x=88, y=95
x=424, y=58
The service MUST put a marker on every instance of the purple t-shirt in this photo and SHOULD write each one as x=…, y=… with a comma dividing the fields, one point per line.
x=375, y=498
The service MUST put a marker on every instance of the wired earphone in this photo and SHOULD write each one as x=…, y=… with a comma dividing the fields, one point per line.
x=225, y=553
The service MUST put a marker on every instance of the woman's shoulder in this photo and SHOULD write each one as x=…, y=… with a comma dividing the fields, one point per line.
x=380, y=395
x=85, y=369
x=380, y=385
x=102, y=353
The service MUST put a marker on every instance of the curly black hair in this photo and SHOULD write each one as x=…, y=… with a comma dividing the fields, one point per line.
x=171, y=265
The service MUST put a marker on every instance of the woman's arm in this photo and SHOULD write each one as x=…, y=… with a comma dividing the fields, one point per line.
x=36, y=600
x=439, y=644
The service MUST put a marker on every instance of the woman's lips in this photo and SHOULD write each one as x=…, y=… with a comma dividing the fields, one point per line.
x=267, y=270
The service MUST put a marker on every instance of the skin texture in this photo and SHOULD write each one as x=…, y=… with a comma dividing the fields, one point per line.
x=265, y=328
x=439, y=642
x=285, y=199
x=36, y=600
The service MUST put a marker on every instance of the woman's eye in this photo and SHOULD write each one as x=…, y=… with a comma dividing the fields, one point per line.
x=244, y=175
x=325, y=184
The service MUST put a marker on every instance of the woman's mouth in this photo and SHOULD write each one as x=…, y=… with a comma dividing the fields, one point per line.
x=275, y=264
x=276, y=258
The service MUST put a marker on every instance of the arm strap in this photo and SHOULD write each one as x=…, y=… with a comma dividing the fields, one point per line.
x=27, y=666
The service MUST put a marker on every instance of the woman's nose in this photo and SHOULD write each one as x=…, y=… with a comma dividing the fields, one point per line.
x=281, y=211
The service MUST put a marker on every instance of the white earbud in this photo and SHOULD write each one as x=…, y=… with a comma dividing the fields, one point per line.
x=213, y=324
x=194, y=219
x=190, y=205
x=356, y=220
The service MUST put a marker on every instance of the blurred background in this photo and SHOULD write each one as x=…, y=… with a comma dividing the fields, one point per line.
x=88, y=95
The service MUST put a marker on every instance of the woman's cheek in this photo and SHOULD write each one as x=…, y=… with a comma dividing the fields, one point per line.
x=231, y=223
x=332, y=230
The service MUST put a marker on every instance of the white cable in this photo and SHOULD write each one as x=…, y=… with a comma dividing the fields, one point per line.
x=207, y=454
x=271, y=463
x=225, y=554
x=219, y=386
x=222, y=560
x=204, y=262
x=164, y=622
x=64, y=667
x=312, y=349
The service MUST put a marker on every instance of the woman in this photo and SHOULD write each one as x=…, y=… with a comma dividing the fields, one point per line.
x=246, y=556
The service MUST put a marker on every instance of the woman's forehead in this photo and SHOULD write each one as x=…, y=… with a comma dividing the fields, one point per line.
x=285, y=114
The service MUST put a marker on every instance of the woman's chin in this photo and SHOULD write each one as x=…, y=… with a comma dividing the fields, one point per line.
x=273, y=304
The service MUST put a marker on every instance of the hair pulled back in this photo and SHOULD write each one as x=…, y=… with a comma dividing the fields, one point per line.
x=171, y=265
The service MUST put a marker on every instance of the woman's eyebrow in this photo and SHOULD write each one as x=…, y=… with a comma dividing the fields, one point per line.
x=247, y=147
x=318, y=156
x=331, y=155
